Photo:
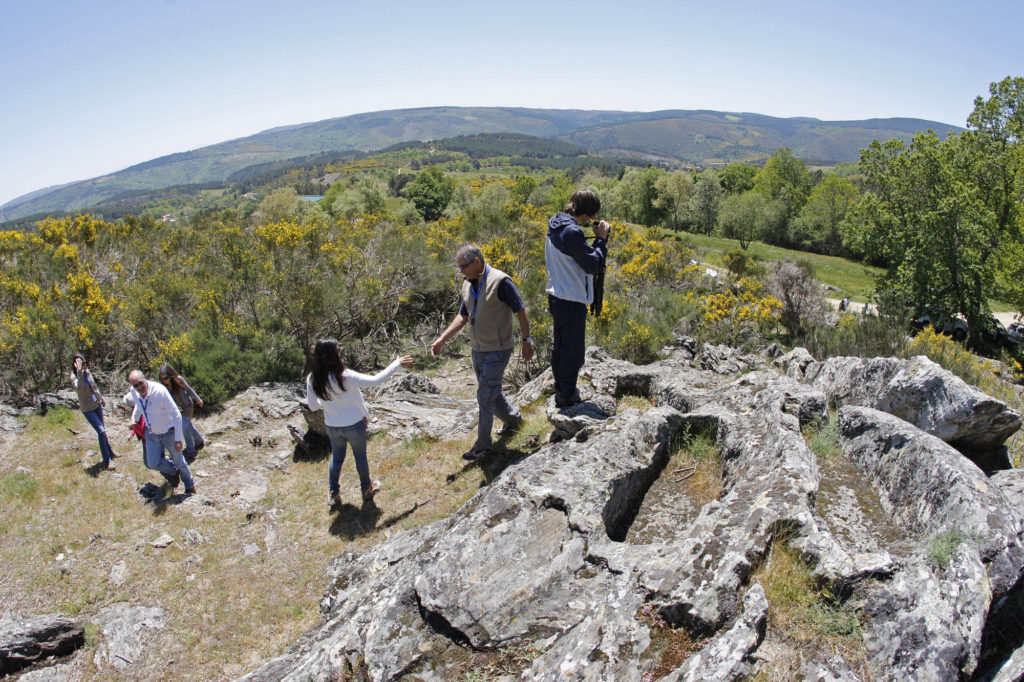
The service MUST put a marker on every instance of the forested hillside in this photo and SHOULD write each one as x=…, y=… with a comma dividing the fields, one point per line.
x=695, y=138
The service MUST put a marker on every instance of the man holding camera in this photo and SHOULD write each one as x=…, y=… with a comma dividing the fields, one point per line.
x=572, y=264
x=489, y=299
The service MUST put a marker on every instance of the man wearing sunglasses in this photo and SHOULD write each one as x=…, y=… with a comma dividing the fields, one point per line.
x=163, y=430
x=489, y=300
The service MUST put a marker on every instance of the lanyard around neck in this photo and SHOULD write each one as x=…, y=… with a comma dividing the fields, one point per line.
x=476, y=292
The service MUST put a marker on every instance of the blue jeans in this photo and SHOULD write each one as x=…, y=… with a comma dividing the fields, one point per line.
x=490, y=369
x=156, y=443
x=569, y=324
x=95, y=419
x=192, y=435
x=340, y=437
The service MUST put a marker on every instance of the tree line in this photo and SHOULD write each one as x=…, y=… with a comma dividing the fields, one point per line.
x=240, y=294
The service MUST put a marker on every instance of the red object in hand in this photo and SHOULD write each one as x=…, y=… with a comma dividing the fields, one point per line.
x=138, y=429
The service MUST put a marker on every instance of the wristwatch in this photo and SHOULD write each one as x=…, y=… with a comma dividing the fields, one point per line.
x=528, y=339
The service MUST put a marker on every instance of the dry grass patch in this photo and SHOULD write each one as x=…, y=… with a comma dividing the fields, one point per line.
x=698, y=461
x=805, y=621
x=670, y=647
x=251, y=585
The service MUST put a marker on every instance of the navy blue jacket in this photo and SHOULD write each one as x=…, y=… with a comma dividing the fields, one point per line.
x=571, y=261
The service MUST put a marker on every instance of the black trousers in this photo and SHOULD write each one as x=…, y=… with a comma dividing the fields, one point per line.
x=570, y=336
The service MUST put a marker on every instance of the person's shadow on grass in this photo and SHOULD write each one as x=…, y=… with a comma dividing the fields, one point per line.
x=350, y=521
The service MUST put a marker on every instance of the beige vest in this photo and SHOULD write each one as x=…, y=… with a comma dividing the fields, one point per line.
x=490, y=320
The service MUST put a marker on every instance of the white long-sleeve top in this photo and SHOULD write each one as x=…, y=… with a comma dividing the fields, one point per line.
x=346, y=408
x=161, y=413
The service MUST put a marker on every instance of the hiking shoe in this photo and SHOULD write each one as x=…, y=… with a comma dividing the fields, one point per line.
x=473, y=454
x=370, y=491
x=333, y=499
x=109, y=466
x=190, y=491
x=200, y=445
x=512, y=428
x=174, y=480
x=574, y=399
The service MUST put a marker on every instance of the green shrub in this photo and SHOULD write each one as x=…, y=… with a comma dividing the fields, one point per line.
x=59, y=416
x=738, y=262
x=857, y=336
x=221, y=366
x=636, y=330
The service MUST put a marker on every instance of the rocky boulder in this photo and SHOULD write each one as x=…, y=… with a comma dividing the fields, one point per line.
x=924, y=394
x=406, y=407
x=26, y=642
x=543, y=557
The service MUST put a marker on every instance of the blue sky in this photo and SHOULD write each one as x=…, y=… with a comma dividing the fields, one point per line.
x=93, y=86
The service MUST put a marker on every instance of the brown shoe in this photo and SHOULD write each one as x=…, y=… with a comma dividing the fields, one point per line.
x=109, y=466
x=372, y=490
x=190, y=491
x=333, y=499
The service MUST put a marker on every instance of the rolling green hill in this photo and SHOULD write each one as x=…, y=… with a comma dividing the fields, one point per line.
x=702, y=138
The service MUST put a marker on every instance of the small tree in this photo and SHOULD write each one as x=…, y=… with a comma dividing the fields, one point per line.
x=802, y=296
x=738, y=262
x=430, y=192
x=703, y=204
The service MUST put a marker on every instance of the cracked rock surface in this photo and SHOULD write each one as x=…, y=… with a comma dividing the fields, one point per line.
x=543, y=560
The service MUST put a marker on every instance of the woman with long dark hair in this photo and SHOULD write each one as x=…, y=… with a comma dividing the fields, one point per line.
x=333, y=388
x=186, y=399
x=91, y=403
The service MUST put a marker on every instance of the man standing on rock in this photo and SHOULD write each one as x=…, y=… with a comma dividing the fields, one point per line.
x=163, y=430
x=572, y=264
x=489, y=299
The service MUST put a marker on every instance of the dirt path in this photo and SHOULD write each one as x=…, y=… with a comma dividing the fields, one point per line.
x=856, y=307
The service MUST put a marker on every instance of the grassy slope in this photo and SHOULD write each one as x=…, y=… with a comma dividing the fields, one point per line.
x=226, y=612
x=850, y=278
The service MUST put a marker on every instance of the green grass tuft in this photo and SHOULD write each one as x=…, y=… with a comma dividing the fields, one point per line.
x=59, y=416
x=823, y=437
x=942, y=547
x=20, y=485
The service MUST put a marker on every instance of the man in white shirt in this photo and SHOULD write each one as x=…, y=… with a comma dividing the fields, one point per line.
x=163, y=430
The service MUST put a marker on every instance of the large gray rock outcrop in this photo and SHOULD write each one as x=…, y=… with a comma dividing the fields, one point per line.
x=929, y=621
x=542, y=557
x=125, y=629
x=921, y=392
x=727, y=656
x=905, y=465
x=406, y=407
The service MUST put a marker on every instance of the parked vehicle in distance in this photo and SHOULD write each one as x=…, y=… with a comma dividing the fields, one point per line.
x=941, y=321
x=993, y=332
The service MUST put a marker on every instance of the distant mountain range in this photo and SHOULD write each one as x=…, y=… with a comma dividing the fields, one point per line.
x=702, y=138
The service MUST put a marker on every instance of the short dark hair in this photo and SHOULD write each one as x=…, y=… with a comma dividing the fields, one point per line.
x=583, y=202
